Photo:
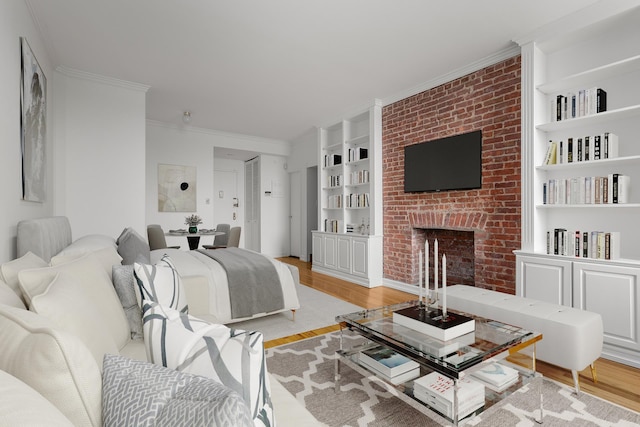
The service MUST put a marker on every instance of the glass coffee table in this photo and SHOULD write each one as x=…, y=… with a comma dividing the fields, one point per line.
x=455, y=359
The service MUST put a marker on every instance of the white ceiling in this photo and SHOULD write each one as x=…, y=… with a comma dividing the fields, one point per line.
x=276, y=68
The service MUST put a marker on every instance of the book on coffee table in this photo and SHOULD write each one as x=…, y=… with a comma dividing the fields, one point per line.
x=387, y=361
x=430, y=322
x=496, y=376
x=436, y=390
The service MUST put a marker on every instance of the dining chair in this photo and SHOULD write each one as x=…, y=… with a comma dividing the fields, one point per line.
x=221, y=240
x=234, y=237
x=155, y=234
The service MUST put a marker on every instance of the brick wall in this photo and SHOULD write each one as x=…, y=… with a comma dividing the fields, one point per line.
x=489, y=100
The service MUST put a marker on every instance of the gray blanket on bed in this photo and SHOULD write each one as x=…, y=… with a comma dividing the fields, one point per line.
x=254, y=285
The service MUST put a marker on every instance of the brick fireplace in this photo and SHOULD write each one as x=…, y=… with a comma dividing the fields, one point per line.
x=477, y=229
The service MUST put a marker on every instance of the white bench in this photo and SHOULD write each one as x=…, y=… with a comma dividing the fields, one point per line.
x=572, y=338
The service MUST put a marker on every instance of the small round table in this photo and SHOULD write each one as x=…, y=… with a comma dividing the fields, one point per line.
x=194, y=238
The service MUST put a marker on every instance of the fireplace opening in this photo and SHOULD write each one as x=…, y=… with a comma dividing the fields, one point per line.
x=458, y=245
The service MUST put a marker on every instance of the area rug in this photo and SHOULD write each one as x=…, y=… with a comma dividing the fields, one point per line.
x=317, y=310
x=306, y=369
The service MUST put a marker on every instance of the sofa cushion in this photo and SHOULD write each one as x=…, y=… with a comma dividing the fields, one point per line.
x=11, y=269
x=124, y=282
x=89, y=243
x=132, y=247
x=54, y=363
x=22, y=405
x=232, y=356
x=88, y=271
x=138, y=393
x=68, y=304
x=160, y=283
x=108, y=257
x=9, y=297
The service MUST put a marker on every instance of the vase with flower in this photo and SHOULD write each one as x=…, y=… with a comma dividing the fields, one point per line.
x=193, y=221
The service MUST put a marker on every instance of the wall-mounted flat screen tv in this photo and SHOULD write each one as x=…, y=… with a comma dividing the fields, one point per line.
x=451, y=163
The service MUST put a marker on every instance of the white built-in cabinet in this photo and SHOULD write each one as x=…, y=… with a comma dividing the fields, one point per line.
x=597, y=47
x=348, y=243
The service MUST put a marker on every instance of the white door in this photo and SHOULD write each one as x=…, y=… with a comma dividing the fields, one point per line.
x=294, y=214
x=225, y=193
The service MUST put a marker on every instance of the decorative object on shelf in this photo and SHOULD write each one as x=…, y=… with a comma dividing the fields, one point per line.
x=193, y=221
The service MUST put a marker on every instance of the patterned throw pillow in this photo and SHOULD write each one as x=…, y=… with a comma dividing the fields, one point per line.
x=124, y=282
x=136, y=393
x=233, y=357
x=160, y=283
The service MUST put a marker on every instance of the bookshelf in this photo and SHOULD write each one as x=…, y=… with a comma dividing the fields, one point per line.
x=348, y=243
x=596, y=47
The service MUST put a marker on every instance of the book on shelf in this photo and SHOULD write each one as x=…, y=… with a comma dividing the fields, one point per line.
x=436, y=390
x=550, y=156
x=430, y=322
x=496, y=376
x=584, y=244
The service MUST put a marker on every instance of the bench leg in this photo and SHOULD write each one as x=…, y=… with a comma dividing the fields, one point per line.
x=576, y=380
x=293, y=314
x=594, y=375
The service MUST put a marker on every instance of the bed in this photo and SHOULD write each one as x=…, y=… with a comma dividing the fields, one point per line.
x=206, y=280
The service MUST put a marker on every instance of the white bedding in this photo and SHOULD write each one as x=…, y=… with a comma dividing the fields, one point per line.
x=192, y=264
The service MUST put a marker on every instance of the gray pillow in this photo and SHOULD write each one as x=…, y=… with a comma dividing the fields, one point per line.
x=132, y=247
x=136, y=393
x=124, y=282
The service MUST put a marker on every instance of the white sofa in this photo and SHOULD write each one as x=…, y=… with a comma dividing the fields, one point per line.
x=52, y=353
x=572, y=338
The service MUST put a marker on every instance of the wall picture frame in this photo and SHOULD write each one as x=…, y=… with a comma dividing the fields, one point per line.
x=176, y=188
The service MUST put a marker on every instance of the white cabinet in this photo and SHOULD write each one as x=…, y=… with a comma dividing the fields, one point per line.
x=350, y=189
x=348, y=257
x=614, y=292
x=544, y=278
x=596, y=48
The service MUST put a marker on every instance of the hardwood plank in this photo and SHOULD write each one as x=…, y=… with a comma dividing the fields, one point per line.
x=617, y=383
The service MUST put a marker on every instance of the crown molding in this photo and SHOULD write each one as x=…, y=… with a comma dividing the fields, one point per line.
x=84, y=75
x=509, y=52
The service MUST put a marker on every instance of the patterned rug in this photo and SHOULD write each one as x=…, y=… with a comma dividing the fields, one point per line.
x=306, y=369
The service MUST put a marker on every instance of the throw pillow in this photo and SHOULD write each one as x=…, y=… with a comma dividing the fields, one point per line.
x=132, y=247
x=231, y=356
x=9, y=297
x=67, y=303
x=54, y=363
x=108, y=257
x=11, y=269
x=136, y=393
x=88, y=272
x=160, y=283
x=89, y=243
x=124, y=283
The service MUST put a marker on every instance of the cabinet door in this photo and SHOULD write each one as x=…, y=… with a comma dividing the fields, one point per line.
x=344, y=253
x=330, y=251
x=544, y=279
x=318, y=249
x=360, y=255
x=613, y=292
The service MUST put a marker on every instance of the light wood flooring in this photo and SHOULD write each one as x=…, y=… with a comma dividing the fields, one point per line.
x=617, y=383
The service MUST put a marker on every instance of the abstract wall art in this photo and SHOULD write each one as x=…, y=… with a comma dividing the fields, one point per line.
x=176, y=188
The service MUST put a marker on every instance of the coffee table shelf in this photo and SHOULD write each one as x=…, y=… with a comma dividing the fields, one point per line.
x=491, y=342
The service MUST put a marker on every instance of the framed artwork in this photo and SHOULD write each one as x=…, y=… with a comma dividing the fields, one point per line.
x=33, y=124
x=176, y=188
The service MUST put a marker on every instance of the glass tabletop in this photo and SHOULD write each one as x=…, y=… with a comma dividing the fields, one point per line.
x=450, y=357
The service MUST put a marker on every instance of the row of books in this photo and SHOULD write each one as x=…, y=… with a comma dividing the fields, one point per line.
x=358, y=200
x=584, y=102
x=334, y=202
x=333, y=225
x=584, y=244
x=358, y=153
x=359, y=177
x=582, y=149
x=436, y=390
x=334, y=181
x=587, y=190
x=332, y=160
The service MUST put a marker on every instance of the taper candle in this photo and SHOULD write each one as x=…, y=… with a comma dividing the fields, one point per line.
x=435, y=267
x=420, y=278
x=444, y=287
x=426, y=270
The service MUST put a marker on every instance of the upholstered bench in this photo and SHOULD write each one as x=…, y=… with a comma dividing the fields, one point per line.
x=572, y=338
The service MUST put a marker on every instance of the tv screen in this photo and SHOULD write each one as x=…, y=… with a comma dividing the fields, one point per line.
x=452, y=163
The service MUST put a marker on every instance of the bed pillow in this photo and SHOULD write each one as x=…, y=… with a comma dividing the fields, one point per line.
x=231, y=356
x=88, y=272
x=11, y=269
x=69, y=306
x=160, y=283
x=136, y=393
x=132, y=247
x=124, y=282
x=54, y=363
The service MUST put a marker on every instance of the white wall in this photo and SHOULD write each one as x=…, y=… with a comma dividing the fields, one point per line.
x=100, y=136
x=304, y=154
x=186, y=145
x=15, y=22
x=274, y=207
